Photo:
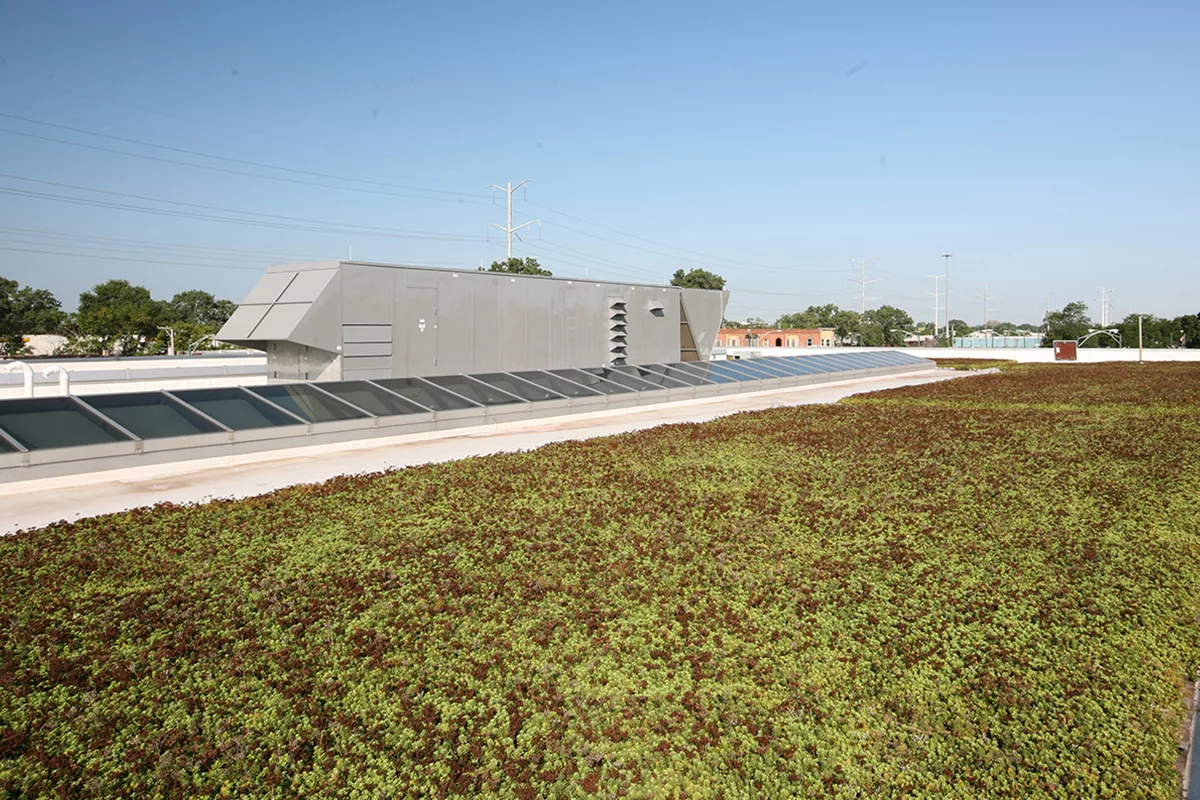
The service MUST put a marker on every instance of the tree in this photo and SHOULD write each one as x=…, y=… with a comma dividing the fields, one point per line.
x=25, y=311
x=1156, y=331
x=800, y=319
x=197, y=307
x=1189, y=330
x=697, y=279
x=848, y=326
x=517, y=266
x=1069, y=324
x=731, y=323
x=757, y=322
x=892, y=322
x=118, y=316
x=959, y=327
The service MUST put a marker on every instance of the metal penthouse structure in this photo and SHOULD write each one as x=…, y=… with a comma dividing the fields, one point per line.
x=344, y=320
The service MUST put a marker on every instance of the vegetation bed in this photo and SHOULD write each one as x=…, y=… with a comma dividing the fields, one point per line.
x=984, y=587
x=974, y=363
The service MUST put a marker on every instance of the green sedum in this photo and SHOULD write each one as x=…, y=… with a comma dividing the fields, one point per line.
x=979, y=588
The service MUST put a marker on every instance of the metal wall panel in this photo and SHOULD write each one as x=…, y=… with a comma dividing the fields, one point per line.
x=366, y=333
x=704, y=311
x=400, y=326
x=456, y=322
x=367, y=374
x=279, y=322
x=514, y=318
x=557, y=356
x=243, y=321
x=367, y=294
x=365, y=364
x=269, y=287
x=538, y=330
x=321, y=324
x=485, y=338
x=307, y=286
x=355, y=349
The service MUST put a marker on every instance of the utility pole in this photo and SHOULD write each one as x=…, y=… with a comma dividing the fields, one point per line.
x=936, y=306
x=510, y=230
x=985, y=308
x=1139, y=338
x=863, y=283
x=949, y=333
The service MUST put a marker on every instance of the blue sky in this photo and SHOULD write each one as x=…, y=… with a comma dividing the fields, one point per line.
x=1052, y=147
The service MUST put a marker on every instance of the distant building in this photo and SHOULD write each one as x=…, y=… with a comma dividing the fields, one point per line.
x=776, y=337
x=988, y=339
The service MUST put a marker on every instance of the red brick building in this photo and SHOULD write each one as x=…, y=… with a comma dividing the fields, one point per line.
x=775, y=337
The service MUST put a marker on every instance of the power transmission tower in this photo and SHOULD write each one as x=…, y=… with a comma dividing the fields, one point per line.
x=986, y=298
x=936, y=305
x=1105, y=307
x=510, y=230
x=862, y=262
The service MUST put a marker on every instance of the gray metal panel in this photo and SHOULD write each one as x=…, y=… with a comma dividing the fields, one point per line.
x=538, y=328
x=485, y=336
x=557, y=356
x=367, y=295
x=321, y=325
x=353, y=333
x=242, y=322
x=456, y=337
x=354, y=349
x=514, y=316
x=704, y=310
x=269, y=287
x=367, y=374
x=306, y=287
x=425, y=278
x=364, y=363
x=279, y=323
x=421, y=326
x=304, y=266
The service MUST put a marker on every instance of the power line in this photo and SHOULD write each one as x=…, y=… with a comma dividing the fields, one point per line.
x=35, y=233
x=121, y=258
x=707, y=256
x=132, y=251
x=228, y=171
x=93, y=96
x=284, y=222
x=228, y=159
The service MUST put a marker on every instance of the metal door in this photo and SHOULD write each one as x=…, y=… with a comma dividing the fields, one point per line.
x=422, y=321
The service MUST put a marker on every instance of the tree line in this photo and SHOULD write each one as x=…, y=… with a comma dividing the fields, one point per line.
x=878, y=327
x=114, y=317
x=888, y=326
x=1073, y=322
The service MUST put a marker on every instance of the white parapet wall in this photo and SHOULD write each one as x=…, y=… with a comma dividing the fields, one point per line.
x=111, y=375
x=1087, y=355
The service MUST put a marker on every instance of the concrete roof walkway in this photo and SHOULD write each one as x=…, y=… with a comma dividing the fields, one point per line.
x=35, y=503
